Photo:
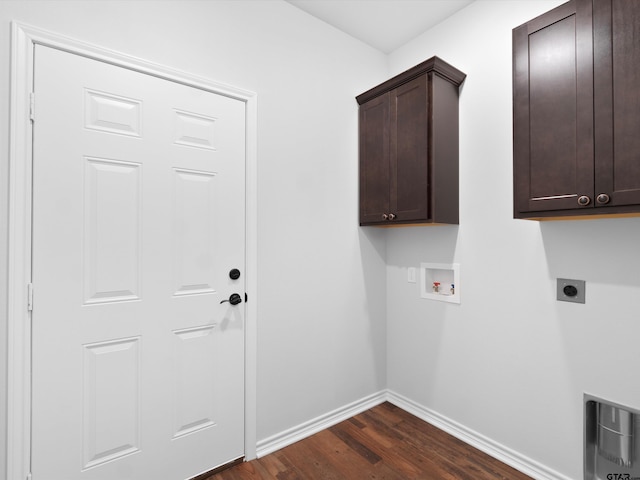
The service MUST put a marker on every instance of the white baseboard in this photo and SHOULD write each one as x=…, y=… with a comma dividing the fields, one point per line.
x=506, y=455
x=306, y=429
x=500, y=452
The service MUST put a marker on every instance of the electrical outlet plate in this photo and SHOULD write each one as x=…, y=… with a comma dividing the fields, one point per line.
x=411, y=275
x=570, y=290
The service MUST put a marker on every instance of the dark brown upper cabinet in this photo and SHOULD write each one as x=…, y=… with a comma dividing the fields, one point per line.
x=576, y=104
x=409, y=147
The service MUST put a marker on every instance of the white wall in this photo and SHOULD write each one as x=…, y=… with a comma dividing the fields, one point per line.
x=510, y=362
x=321, y=325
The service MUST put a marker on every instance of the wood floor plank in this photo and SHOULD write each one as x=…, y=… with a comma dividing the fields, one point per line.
x=383, y=443
x=383, y=447
x=342, y=432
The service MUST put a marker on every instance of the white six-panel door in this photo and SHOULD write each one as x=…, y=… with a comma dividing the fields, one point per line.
x=138, y=218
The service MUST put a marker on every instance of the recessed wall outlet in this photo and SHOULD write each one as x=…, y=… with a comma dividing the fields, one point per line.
x=440, y=281
x=571, y=290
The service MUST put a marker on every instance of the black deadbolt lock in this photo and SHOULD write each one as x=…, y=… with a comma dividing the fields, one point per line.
x=234, y=274
x=570, y=291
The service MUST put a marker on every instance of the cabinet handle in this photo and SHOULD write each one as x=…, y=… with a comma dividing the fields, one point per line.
x=603, y=199
x=385, y=216
x=392, y=216
x=583, y=200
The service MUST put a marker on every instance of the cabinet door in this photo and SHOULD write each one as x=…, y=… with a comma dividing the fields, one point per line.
x=409, y=156
x=553, y=110
x=617, y=101
x=374, y=160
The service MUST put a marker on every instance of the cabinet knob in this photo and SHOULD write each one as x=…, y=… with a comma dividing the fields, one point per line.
x=583, y=200
x=385, y=216
x=603, y=199
x=392, y=216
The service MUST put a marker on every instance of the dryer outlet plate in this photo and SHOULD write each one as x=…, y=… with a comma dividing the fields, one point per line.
x=570, y=290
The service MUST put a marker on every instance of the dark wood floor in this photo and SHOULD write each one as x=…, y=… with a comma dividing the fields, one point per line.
x=382, y=443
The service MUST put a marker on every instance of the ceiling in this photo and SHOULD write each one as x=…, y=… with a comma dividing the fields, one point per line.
x=383, y=24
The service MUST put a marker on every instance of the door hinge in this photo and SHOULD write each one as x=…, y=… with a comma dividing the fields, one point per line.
x=30, y=296
x=32, y=106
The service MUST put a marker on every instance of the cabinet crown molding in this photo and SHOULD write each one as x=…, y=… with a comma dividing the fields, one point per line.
x=433, y=64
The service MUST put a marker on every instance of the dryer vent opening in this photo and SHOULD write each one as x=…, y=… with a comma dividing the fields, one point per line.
x=611, y=446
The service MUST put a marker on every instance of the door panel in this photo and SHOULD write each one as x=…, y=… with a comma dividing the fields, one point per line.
x=409, y=145
x=194, y=234
x=112, y=209
x=553, y=110
x=138, y=211
x=374, y=160
x=110, y=400
x=617, y=75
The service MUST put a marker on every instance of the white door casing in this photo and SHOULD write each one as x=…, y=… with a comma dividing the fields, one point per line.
x=189, y=183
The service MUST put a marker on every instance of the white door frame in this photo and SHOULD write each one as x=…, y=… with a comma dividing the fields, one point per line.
x=24, y=38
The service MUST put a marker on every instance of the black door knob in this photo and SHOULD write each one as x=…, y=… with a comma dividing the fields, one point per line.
x=234, y=274
x=234, y=299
